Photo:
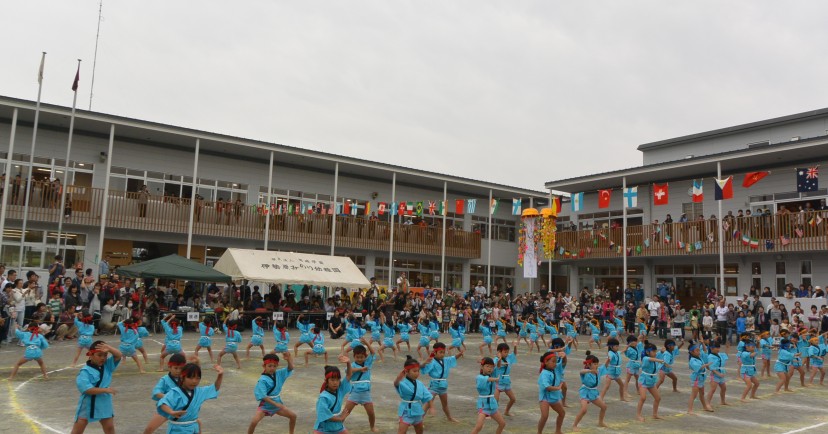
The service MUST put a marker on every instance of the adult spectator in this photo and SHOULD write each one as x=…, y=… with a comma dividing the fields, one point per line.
x=3, y=280
x=6, y=307
x=762, y=322
x=11, y=276
x=481, y=290
x=766, y=292
x=721, y=319
x=639, y=295
x=18, y=297
x=775, y=312
x=66, y=326
x=72, y=299
x=731, y=324
x=510, y=290
x=103, y=266
x=663, y=290
x=628, y=295
x=653, y=308
x=57, y=269
x=105, y=324
x=335, y=326
x=679, y=315
x=34, y=295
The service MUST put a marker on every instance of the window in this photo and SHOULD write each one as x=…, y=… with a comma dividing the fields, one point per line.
x=731, y=269
x=806, y=268
x=502, y=229
x=707, y=269
x=663, y=269
x=780, y=268
x=693, y=210
x=756, y=268
x=780, y=279
x=420, y=273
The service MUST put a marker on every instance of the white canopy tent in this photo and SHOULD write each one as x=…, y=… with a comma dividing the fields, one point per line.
x=290, y=268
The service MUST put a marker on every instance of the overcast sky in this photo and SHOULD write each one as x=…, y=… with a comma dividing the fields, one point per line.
x=514, y=92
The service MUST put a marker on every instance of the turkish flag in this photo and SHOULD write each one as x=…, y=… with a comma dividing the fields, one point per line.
x=660, y=194
x=604, y=198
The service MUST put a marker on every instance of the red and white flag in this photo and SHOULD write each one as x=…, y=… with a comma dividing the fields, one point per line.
x=661, y=194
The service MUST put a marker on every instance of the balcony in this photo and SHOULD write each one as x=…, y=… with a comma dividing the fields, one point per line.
x=171, y=214
x=796, y=232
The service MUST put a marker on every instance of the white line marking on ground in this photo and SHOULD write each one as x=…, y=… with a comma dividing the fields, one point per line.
x=806, y=428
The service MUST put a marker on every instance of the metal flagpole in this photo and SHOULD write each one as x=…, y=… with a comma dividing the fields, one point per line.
x=28, y=193
x=8, y=175
x=95, y=57
x=336, y=191
x=61, y=212
x=531, y=281
x=391, y=240
x=550, y=248
x=721, y=239
x=624, y=228
x=443, y=251
x=192, y=199
x=268, y=211
x=106, y=191
x=489, y=247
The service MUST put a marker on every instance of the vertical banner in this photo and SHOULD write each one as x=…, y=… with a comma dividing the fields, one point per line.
x=530, y=260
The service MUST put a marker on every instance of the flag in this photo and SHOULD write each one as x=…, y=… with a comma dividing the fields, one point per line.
x=658, y=229
x=394, y=208
x=381, y=208
x=647, y=243
x=629, y=251
x=631, y=197
x=661, y=194
x=367, y=208
x=409, y=208
x=799, y=233
x=784, y=240
x=710, y=237
x=40, y=70
x=432, y=206
x=595, y=242
x=441, y=207
x=689, y=248
x=725, y=225
x=618, y=249
x=753, y=177
x=401, y=209
x=637, y=250
x=556, y=204
x=577, y=202
x=818, y=219
x=698, y=190
x=516, y=206
x=419, y=209
x=724, y=188
x=699, y=245
x=736, y=233
x=567, y=254
x=493, y=206
x=77, y=79
x=604, y=197
x=589, y=250
x=355, y=208
x=754, y=243
x=612, y=245
x=346, y=207
x=459, y=206
x=471, y=205
x=602, y=235
x=680, y=244
x=807, y=179
x=812, y=221
x=769, y=245
x=667, y=239
x=581, y=253
x=745, y=240
x=561, y=250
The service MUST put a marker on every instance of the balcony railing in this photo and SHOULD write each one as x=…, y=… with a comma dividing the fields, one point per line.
x=795, y=232
x=128, y=210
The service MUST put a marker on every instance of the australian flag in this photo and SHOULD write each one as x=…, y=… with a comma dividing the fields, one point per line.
x=807, y=179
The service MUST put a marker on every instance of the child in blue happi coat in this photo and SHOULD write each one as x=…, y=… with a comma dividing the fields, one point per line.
x=416, y=399
x=269, y=389
x=182, y=405
x=317, y=346
x=129, y=337
x=232, y=339
x=86, y=330
x=698, y=375
x=389, y=331
x=486, y=332
x=257, y=340
x=94, y=383
x=35, y=343
x=505, y=362
x=405, y=328
x=649, y=367
x=486, y=403
x=305, y=327
x=589, y=391
x=172, y=339
x=282, y=338
x=747, y=369
x=668, y=356
x=206, y=331
x=549, y=391
x=360, y=378
x=162, y=387
x=438, y=366
x=330, y=416
x=718, y=380
x=612, y=369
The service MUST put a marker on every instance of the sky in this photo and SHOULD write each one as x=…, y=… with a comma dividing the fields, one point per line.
x=512, y=92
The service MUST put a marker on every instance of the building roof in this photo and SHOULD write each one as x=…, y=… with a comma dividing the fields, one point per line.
x=784, y=154
x=170, y=136
x=798, y=117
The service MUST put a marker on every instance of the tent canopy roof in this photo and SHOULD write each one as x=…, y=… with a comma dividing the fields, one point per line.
x=174, y=267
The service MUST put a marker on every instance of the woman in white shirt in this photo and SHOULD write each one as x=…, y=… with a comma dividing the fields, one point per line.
x=19, y=299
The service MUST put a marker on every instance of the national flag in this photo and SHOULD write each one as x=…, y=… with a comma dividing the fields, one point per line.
x=602, y=235
x=736, y=233
x=618, y=249
x=604, y=197
x=745, y=240
x=595, y=242
x=567, y=254
x=689, y=248
x=647, y=243
x=658, y=229
x=367, y=208
x=667, y=239
x=637, y=250
x=459, y=206
x=680, y=244
x=561, y=251
x=661, y=194
x=629, y=251
x=799, y=233
x=589, y=250
x=754, y=243
x=381, y=206
x=493, y=206
x=769, y=245
x=812, y=221
x=346, y=207
x=291, y=208
x=471, y=205
x=753, y=177
x=355, y=208
x=784, y=240
x=577, y=202
x=77, y=79
x=516, y=206
x=699, y=245
x=40, y=70
x=402, y=209
x=710, y=237
x=631, y=197
x=419, y=209
x=698, y=190
x=394, y=208
x=581, y=253
x=441, y=207
x=807, y=179
x=818, y=219
x=725, y=225
x=556, y=204
x=409, y=208
x=432, y=206
x=612, y=245
x=724, y=188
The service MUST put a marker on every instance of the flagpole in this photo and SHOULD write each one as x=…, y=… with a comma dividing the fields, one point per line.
x=193, y=199
x=8, y=175
x=268, y=210
x=721, y=239
x=550, y=248
x=336, y=191
x=391, y=239
x=624, y=227
x=489, y=247
x=443, y=247
x=61, y=212
x=28, y=193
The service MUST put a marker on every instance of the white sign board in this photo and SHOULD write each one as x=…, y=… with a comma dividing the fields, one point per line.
x=278, y=316
x=357, y=314
x=329, y=315
x=675, y=332
x=192, y=316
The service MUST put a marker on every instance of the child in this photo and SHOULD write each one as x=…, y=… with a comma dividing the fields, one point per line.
x=596, y=333
x=258, y=336
x=438, y=367
x=83, y=321
x=206, y=330
x=613, y=369
x=139, y=344
x=373, y=324
x=487, y=338
x=164, y=385
x=434, y=328
x=668, y=357
x=816, y=358
x=317, y=346
x=647, y=381
x=589, y=391
x=698, y=374
x=232, y=338
x=416, y=399
x=268, y=389
x=609, y=326
x=282, y=338
x=532, y=328
x=305, y=337
x=774, y=328
x=129, y=336
x=172, y=339
x=94, y=381
x=505, y=361
x=633, y=353
x=456, y=342
x=501, y=331
x=329, y=413
x=748, y=370
x=796, y=363
x=523, y=332
x=782, y=365
x=424, y=328
x=571, y=333
x=35, y=343
x=404, y=327
x=486, y=404
x=562, y=349
x=182, y=404
x=765, y=346
x=388, y=340
x=360, y=378
x=549, y=394
x=717, y=370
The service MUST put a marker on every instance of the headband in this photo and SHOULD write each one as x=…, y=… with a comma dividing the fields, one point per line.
x=87, y=319
x=332, y=374
x=93, y=351
x=546, y=359
x=410, y=364
x=270, y=362
x=176, y=363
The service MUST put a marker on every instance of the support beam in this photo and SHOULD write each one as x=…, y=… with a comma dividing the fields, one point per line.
x=105, y=205
x=8, y=176
x=335, y=193
x=268, y=210
x=193, y=200
x=391, y=240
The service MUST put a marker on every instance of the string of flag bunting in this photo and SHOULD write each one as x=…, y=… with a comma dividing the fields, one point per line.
x=402, y=208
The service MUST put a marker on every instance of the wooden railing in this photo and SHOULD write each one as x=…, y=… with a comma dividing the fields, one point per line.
x=796, y=232
x=128, y=210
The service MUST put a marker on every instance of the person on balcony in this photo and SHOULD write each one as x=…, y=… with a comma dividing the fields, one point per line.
x=143, y=200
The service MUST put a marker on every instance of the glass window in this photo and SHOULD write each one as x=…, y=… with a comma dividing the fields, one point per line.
x=684, y=269
x=780, y=286
x=707, y=269
x=731, y=269
x=756, y=268
x=806, y=267
x=780, y=268
x=663, y=269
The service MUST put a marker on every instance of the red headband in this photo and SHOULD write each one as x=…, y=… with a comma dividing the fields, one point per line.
x=87, y=319
x=270, y=362
x=35, y=330
x=410, y=365
x=176, y=363
x=93, y=351
x=332, y=374
x=546, y=359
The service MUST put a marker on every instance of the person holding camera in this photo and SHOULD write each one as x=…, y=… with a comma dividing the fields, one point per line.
x=143, y=200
